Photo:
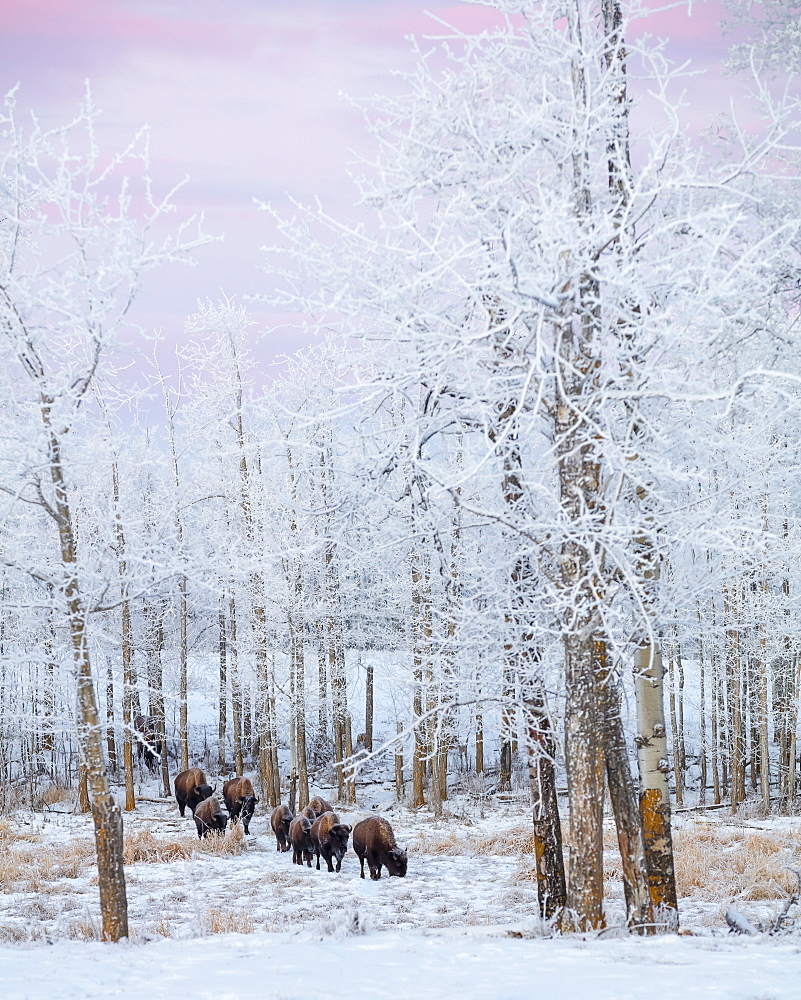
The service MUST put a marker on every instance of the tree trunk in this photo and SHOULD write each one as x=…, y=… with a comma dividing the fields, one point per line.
x=623, y=796
x=222, y=724
x=551, y=890
x=654, y=792
x=183, y=668
x=368, y=708
x=236, y=690
x=111, y=741
x=105, y=811
x=400, y=791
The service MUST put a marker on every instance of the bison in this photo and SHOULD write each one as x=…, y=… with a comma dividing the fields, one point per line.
x=191, y=788
x=374, y=840
x=209, y=817
x=318, y=805
x=330, y=839
x=240, y=800
x=301, y=839
x=148, y=741
x=280, y=820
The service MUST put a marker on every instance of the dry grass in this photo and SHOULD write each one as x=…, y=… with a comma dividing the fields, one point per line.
x=714, y=862
x=216, y=921
x=11, y=835
x=143, y=848
x=515, y=840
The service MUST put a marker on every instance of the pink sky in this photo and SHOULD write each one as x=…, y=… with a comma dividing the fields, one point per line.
x=243, y=96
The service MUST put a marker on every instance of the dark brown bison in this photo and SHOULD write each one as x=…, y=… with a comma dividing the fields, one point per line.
x=301, y=840
x=148, y=741
x=280, y=820
x=209, y=817
x=191, y=788
x=240, y=800
x=373, y=839
x=318, y=806
x=309, y=813
x=330, y=839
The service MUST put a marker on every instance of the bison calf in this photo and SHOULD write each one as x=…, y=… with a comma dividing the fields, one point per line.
x=209, y=817
x=301, y=839
x=374, y=840
x=280, y=820
x=191, y=788
x=330, y=839
x=240, y=800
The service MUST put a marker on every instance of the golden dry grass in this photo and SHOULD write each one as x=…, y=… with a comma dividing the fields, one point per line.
x=513, y=841
x=143, y=848
x=713, y=862
x=217, y=921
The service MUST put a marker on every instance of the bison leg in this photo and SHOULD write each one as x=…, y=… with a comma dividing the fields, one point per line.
x=317, y=852
x=361, y=866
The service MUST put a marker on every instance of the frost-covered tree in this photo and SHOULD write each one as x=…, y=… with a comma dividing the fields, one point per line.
x=581, y=309
x=79, y=230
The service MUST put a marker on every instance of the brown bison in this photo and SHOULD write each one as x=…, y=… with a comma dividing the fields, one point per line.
x=148, y=741
x=318, y=806
x=330, y=839
x=280, y=820
x=301, y=839
x=240, y=800
x=191, y=788
x=209, y=817
x=373, y=839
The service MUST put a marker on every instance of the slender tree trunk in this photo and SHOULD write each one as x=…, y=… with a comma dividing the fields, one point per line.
x=735, y=701
x=704, y=778
x=368, y=708
x=677, y=769
x=105, y=811
x=400, y=791
x=623, y=796
x=111, y=741
x=236, y=690
x=551, y=889
x=419, y=759
x=183, y=669
x=223, y=693
x=654, y=792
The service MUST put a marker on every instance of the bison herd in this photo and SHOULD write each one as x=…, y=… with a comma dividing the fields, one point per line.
x=316, y=831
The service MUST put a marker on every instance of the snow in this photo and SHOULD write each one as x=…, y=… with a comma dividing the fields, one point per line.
x=461, y=924
x=401, y=965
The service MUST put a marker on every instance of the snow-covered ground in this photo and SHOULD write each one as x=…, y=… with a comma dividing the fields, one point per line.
x=462, y=923
x=404, y=966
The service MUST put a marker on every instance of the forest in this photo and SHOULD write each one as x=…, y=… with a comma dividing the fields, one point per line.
x=519, y=527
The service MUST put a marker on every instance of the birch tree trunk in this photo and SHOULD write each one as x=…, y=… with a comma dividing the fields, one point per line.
x=105, y=811
x=654, y=792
